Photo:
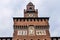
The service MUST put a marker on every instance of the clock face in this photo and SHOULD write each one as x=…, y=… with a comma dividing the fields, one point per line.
x=31, y=31
x=30, y=15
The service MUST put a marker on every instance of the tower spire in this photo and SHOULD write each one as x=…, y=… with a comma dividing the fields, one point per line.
x=30, y=10
x=30, y=4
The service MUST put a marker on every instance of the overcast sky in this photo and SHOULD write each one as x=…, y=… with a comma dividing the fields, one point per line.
x=12, y=8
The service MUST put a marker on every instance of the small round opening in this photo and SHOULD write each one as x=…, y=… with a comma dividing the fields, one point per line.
x=24, y=39
x=17, y=39
x=31, y=39
x=30, y=8
x=38, y=39
x=45, y=39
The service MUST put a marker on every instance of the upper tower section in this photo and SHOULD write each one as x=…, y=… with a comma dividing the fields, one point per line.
x=30, y=6
x=30, y=10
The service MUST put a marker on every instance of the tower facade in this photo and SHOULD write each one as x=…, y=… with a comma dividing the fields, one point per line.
x=30, y=11
x=31, y=27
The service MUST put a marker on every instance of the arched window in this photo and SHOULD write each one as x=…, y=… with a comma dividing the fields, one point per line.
x=38, y=39
x=24, y=39
x=45, y=39
x=31, y=39
x=17, y=39
x=30, y=8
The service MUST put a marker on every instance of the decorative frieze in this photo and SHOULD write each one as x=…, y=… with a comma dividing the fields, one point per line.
x=35, y=26
x=30, y=19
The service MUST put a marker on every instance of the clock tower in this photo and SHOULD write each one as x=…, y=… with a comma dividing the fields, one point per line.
x=31, y=27
x=30, y=11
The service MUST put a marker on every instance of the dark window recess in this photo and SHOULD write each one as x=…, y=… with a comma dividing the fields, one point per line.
x=30, y=11
x=25, y=27
x=38, y=39
x=37, y=19
x=30, y=19
x=44, y=19
x=30, y=8
x=41, y=27
x=17, y=39
x=20, y=19
x=31, y=39
x=37, y=27
x=41, y=19
x=24, y=39
x=16, y=27
x=45, y=39
x=27, y=19
x=22, y=27
x=44, y=27
x=34, y=19
x=19, y=27
x=16, y=19
x=23, y=19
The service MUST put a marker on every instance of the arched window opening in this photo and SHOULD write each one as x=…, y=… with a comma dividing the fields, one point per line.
x=30, y=8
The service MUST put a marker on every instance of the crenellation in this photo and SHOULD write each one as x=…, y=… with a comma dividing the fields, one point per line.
x=31, y=27
x=30, y=19
x=36, y=11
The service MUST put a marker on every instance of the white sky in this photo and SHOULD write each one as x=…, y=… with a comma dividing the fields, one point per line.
x=12, y=8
